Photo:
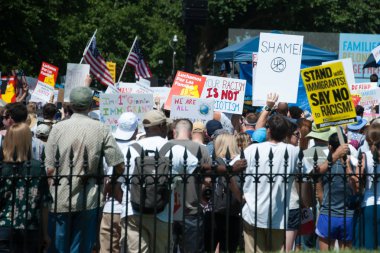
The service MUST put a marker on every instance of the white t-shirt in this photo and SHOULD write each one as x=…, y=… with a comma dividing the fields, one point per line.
x=117, y=206
x=151, y=143
x=263, y=188
x=369, y=193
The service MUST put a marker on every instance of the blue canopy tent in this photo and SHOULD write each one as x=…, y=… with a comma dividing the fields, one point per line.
x=242, y=53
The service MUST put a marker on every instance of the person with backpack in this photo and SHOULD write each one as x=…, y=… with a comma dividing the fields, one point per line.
x=222, y=224
x=146, y=215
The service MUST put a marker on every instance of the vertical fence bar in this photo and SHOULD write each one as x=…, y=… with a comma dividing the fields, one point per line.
x=257, y=181
x=270, y=197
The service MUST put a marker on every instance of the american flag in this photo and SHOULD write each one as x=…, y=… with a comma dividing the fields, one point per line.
x=136, y=60
x=98, y=65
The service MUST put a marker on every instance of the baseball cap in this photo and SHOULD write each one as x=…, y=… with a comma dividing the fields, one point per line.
x=212, y=126
x=81, y=97
x=43, y=130
x=154, y=118
x=198, y=127
x=127, y=125
x=259, y=135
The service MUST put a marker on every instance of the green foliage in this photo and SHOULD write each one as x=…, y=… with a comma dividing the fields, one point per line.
x=56, y=31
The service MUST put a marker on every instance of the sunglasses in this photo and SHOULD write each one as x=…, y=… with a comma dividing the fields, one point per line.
x=297, y=135
x=5, y=117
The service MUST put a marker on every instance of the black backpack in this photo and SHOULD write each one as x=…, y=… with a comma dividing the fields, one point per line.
x=150, y=189
x=222, y=191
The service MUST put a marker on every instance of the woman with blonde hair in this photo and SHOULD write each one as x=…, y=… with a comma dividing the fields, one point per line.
x=226, y=216
x=24, y=195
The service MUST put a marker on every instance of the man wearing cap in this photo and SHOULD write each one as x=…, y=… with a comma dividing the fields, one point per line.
x=156, y=128
x=78, y=144
x=198, y=132
x=211, y=127
x=110, y=229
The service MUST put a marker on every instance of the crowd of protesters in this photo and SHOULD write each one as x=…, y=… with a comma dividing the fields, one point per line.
x=243, y=189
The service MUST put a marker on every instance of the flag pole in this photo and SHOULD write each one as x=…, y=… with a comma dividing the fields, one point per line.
x=125, y=63
x=87, y=46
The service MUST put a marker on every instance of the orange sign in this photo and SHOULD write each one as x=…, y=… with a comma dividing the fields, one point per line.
x=185, y=84
x=8, y=93
x=48, y=74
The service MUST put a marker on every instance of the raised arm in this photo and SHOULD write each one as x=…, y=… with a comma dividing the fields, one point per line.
x=271, y=101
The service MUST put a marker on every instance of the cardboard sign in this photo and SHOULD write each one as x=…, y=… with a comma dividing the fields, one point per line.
x=194, y=109
x=112, y=69
x=329, y=95
x=278, y=67
x=48, y=74
x=185, y=84
x=348, y=69
x=75, y=77
x=161, y=93
x=367, y=98
x=228, y=93
x=42, y=93
x=135, y=88
x=113, y=105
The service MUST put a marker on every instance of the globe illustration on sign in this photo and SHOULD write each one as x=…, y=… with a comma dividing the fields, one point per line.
x=204, y=109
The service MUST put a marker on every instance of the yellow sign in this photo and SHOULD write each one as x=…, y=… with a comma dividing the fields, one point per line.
x=329, y=95
x=112, y=68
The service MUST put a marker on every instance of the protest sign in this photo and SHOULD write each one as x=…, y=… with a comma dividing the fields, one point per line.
x=48, y=74
x=356, y=90
x=376, y=54
x=367, y=98
x=328, y=94
x=133, y=88
x=8, y=89
x=278, y=67
x=358, y=47
x=194, y=109
x=161, y=93
x=113, y=105
x=348, y=69
x=143, y=82
x=112, y=89
x=228, y=93
x=185, y=84
x=112, y=69
x=42, y=93
x=75, y=77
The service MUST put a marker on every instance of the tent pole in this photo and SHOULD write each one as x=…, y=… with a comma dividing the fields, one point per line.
x=233, y=65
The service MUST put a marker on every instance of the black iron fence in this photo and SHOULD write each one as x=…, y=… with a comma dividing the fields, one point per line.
x=209, y=207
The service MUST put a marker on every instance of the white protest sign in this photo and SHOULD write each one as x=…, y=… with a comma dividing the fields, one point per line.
x=362, y=86
x=376, y=54
x=254, y=64
x=162, y=93
x=134, y=88
x=75, y=77
x=42, y=93
x=348, y=69
x=278, y=67
x=111, y=106
x=144, y=82
x=194, y=109
x=112, y=89
x=228, y=93
x=367, y=98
